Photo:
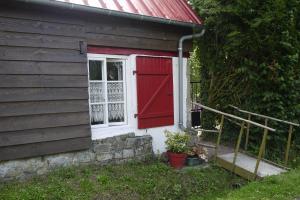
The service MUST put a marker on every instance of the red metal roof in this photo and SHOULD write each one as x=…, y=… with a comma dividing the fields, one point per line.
x=177, y=10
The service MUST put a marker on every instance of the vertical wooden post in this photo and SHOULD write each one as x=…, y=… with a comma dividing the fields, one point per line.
x=219, y=137
x=247, y=133
x=264, y=151
x=288, y=146
x=238, y=145
x=260, y=154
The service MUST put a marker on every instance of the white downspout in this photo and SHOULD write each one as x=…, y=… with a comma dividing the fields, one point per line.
x=180, y=72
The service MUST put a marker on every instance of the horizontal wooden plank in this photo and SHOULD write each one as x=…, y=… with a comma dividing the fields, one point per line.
x=33, y=26
x=95, y=23
x=39, y=94
x=55, y=68
x=43, y=121
x=134, y=28
x=43, y=135
x=42, y=107
x=131, y=42
x=44, y=148
x=41, y=81
x=38, y=40
x=22, y=10
x=40, y=54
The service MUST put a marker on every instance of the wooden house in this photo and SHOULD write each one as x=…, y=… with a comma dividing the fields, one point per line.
x=73, y=71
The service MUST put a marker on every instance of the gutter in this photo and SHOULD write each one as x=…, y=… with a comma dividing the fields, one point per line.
x=77, y=7
x=180, y=72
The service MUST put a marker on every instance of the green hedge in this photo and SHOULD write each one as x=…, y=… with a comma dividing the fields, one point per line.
x=249, y=57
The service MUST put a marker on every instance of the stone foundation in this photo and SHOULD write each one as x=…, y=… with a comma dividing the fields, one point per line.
x=112, y=150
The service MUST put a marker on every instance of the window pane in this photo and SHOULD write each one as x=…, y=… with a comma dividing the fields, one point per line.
x=95, y=69
x=116, y=112
x=98, y=114
x=114, y=70
x=97, y=94
x=115, y=91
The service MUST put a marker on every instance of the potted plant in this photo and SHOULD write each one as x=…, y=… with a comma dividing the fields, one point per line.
x=197, y=155
x=177, y=146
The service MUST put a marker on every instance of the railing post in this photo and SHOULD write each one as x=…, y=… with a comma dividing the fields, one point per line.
x=219, y=137
x=266, y=124
x=247, y=133
x=238, y=145
x=260, y=154
x=288, y=146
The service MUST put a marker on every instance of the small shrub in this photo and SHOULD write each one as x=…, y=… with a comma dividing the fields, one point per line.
x=177, y=142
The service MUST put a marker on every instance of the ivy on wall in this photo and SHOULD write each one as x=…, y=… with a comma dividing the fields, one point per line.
x=250, y=57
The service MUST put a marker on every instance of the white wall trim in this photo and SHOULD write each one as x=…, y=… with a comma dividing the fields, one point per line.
x=131, y=91
x=102, y=131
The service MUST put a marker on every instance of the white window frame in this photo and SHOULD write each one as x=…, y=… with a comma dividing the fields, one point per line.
x=103, y=58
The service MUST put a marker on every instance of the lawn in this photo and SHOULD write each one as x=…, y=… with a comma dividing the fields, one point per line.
x=283, y=187
x=152, y=180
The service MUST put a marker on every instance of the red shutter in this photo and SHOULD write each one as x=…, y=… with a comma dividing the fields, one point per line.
x=154, y=92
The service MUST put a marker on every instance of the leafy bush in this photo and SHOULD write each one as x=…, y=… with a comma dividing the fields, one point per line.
x=250, y=57
x=177, y=142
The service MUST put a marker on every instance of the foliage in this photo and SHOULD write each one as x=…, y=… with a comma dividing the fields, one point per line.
x=133, y=181
x=199, y=152
x=196, y=65
x=250, y=58
x=177, y=142
x=282, y=187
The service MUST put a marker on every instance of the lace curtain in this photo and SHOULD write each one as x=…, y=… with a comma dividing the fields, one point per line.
x=114, y=88
x=116, y=112
x=97, y=94
x=97, y=112
x=115, y=91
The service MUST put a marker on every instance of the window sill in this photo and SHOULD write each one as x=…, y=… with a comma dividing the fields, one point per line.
x=105, y=132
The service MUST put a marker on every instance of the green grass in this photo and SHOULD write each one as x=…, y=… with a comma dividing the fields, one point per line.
x=283, y=187
x=129, y=181
x=153, y=181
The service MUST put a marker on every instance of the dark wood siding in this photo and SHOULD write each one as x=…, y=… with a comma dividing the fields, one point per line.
x=43, y=84
x=108, y=31
x=44, y=148
x=43, y=74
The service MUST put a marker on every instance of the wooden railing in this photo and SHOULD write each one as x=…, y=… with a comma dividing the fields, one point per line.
x=242, y=125
x=267, y=119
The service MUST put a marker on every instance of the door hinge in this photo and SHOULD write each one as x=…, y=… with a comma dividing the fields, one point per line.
x=134, y=72
x=135, y=115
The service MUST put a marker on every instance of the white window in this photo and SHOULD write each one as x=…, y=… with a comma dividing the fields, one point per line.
x=107, y=91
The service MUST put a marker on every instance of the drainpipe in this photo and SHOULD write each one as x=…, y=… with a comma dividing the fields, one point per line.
x=180, y=72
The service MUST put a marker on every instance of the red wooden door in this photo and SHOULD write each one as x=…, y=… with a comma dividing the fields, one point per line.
x=154, y=92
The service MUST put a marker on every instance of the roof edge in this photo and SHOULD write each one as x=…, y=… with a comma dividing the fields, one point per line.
x=72, y=6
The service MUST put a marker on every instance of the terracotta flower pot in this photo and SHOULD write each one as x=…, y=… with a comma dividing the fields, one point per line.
x=177, y=160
